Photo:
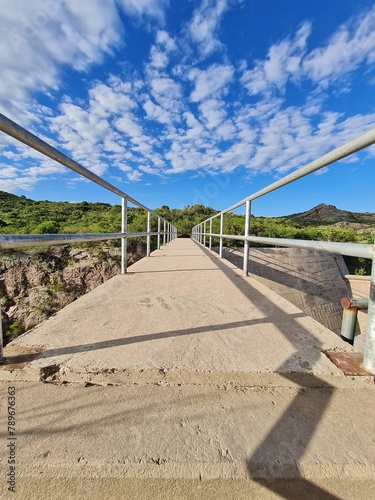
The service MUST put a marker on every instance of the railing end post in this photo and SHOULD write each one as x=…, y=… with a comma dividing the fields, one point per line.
x=369, y=347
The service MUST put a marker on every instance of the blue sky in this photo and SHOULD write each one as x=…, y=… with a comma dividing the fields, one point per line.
x=190, y=101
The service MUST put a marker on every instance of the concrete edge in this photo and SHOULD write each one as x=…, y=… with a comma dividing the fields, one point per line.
x=57, y=374
x=203, y=471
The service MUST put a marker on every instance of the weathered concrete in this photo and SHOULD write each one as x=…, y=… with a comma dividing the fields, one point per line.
x=315, y=282
x=96, y=442
x=222, y=390
x=182, y=311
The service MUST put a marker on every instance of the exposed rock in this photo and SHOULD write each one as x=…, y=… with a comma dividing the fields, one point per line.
x=37, y=283
x=330, y=214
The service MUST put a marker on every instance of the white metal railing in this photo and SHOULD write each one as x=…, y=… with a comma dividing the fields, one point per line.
x=169, y=231
x=200, y=233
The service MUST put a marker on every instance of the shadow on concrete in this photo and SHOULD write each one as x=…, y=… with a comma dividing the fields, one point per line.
x=277, y=457
x=298, y=489
x=299, y=279
x=318, y=291
x=105, y=344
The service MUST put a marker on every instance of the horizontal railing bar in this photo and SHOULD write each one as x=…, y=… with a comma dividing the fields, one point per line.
x=352, y=249
x=31, y=240
x=21, y=134
x=362, y=141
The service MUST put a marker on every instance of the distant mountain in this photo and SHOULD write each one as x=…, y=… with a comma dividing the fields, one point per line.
x=329, y=214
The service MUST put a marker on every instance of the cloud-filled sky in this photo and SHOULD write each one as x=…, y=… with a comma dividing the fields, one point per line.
x=190, y=101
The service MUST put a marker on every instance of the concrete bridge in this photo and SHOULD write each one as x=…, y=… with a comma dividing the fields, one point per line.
x=186, y=379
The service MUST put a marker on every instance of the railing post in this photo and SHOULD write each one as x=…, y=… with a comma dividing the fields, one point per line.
x=124, y=241
x=221, y=235
x=158, y=233
x=164, y=231
x=148, y=233
x=210, y=240
x=1, y=338
x=204, y=233
x=246, y=243
x=369, y=347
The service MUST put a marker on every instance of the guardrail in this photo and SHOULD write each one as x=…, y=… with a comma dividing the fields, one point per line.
x=200, y=232
x=168, y=232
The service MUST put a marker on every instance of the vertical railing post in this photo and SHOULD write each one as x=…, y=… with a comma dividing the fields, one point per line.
x=246, y=243
x=204, y=233
x=221, y=235
x=1, y=337
x=210, y=240
x=158, y=233
x=148, y=233
x=124, y=241
x=164, y=236
x=369, y=347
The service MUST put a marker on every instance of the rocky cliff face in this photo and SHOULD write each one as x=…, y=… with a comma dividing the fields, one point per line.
x=37, y=283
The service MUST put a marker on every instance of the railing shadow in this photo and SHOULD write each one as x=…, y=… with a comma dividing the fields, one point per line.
x=316, y=297
x=117, y=342
x=286, y=443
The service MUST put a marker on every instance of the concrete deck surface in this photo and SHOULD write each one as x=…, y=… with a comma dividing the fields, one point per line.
x=211, y=386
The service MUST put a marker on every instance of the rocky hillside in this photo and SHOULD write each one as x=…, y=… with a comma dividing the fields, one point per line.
x=37, y=283
x=328, y=214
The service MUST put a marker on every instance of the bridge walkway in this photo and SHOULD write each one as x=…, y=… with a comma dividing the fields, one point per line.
x=185, y=379
x=183, y=311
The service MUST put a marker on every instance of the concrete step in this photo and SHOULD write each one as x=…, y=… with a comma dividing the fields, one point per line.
x=152, y=441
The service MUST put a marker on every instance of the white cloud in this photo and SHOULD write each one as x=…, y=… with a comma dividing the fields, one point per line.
x=151, y=8
x=128, y=126
x=210, y=82
x=166, y=91
x=131, y=174
x=155, y=112
x=283, y=62
x=171, y=116
x=212, y=113
x=163, y=38
x=205, y=23
x=42, y=37
x=352, y=45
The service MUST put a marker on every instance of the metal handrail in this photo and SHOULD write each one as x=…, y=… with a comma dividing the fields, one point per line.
x=169, y=232
x=8, y=241
x=199, y=232
x=353, y=249
x=19, y=133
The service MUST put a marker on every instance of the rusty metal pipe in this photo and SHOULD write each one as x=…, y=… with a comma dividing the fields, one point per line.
x=349, y=317
x=348, y=303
